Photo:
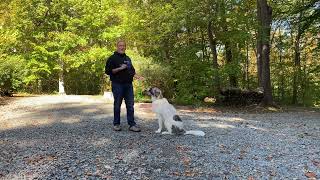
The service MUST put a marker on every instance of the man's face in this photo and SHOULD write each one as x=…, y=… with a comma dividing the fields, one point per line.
x=121, y=47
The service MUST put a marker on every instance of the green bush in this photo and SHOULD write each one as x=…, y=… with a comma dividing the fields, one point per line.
x=11, y=73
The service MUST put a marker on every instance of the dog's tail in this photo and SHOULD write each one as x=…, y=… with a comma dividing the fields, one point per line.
x=195, y=132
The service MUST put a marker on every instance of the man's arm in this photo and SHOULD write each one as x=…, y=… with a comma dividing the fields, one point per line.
x=136, y=76
x=134, y=70
x=116, y=70
x=109, y=68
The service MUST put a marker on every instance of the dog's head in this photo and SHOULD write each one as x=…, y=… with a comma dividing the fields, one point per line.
x=154, y=92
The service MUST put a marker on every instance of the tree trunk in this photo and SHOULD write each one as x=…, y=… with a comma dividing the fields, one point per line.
x=39, y=89
x=264, y=14
x=213, y=47
x=297, y=63
x=203, y=46
x=259, y=64
x=281, y=85
x=259, y=47
x=61, y=78
x=232, y=78
x=247, y=66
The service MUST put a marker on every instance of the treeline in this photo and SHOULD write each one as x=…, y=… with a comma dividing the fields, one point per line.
x=189, y=48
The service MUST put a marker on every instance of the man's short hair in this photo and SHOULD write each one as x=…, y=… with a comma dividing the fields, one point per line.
x=121, y=40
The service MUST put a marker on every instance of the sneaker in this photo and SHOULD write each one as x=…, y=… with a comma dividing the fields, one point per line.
x=117, y=128
x=134, y=129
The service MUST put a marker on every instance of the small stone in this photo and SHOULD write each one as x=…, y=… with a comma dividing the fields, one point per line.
x=107, y=167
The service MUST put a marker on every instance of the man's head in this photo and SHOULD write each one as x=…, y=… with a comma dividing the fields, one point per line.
x=121, y=46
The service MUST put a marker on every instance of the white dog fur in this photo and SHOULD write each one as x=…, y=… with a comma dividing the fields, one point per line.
x=167, y=115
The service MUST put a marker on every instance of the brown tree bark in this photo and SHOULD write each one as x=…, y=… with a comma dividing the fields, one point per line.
x=281, y=85
x=232, y=77
x=264, y=14
x=259, y=47
x=297, y=63
x=246, y=76
x=213, y=47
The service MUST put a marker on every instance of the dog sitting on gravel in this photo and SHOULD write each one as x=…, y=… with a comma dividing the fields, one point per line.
x=167, y=115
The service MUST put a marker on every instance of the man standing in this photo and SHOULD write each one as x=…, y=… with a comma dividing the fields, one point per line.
x=121, y=72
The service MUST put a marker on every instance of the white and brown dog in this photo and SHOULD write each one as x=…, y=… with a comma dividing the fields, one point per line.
x=167, y=115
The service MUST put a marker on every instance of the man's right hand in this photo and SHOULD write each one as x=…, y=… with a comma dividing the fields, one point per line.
x=122, y=67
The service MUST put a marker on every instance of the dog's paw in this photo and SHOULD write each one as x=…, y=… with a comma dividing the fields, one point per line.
x=166, y=132
x=158, y=131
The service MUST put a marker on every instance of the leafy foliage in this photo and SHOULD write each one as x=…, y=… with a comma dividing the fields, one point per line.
x=167, y=41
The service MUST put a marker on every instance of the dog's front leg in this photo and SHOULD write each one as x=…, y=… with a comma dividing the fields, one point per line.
x=160, y=121
x=169, y=130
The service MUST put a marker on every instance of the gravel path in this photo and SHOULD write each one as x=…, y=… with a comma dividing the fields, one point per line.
x=70, y=137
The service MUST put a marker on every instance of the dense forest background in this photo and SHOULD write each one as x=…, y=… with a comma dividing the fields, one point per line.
x=189, y=48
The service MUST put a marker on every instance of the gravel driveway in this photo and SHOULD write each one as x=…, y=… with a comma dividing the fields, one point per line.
x=71, y=137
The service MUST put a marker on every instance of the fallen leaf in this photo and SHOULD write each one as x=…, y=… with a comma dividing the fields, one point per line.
x=176, y=173
x=186, y=161
x=272, y=173
x=51, y=158
x=269, y=157
x=310, y=175
x=242, y=154
x=119, y=157
x=316, y=163
x=189, y=173
x=88, y=173
x=106, y=177
x=182, y=148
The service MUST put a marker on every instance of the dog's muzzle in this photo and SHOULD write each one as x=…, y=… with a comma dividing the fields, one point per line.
x=147, y=92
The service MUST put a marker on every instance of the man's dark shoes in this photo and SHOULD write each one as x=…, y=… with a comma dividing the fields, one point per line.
x=134, y=129
x=117, y=128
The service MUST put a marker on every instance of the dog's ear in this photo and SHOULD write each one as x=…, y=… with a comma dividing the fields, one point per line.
x=158, y=93
x=147, y=92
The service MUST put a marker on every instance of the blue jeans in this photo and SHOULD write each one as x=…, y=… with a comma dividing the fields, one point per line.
x=120, y=92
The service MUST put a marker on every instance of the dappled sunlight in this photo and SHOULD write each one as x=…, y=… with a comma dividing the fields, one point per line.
x=225, y=122
x=15, y=123
x=220, y=118
x=101, y=142
x=73, y=136
x=47, y=110
x=26, y=143
x=90, y=110
x=257, y=128
x=230, y=119
x=71, y=120
x=130, y=156
x=100, y=116
x=215, y=125
x=145, y=115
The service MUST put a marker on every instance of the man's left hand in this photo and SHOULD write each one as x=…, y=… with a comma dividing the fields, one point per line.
x=139, y=78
